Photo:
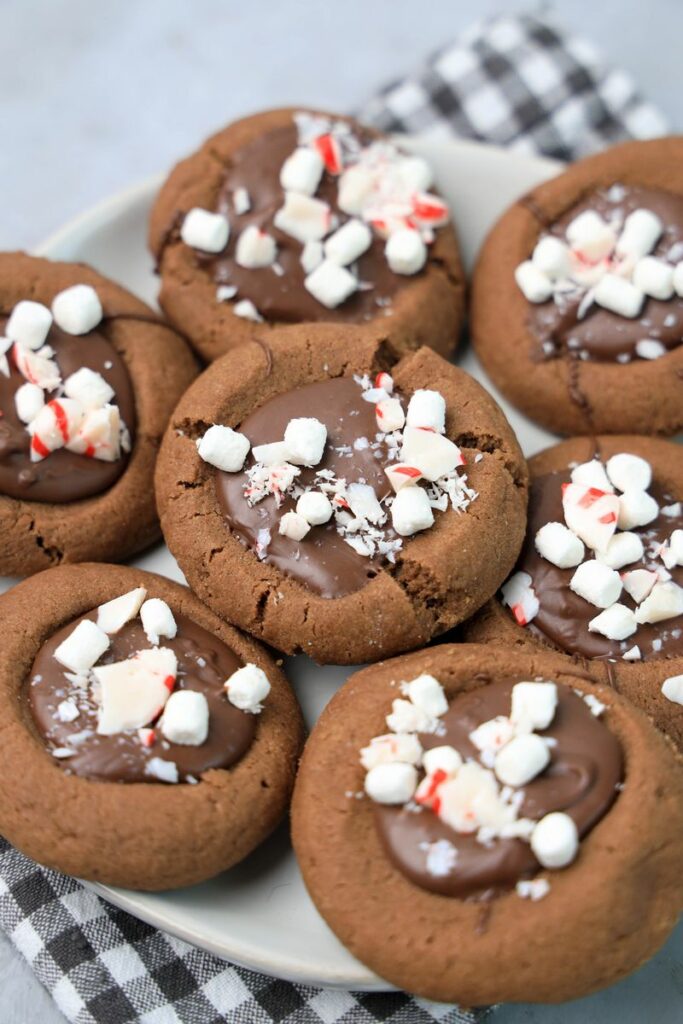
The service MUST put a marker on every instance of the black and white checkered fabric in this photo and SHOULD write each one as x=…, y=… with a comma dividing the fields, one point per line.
x=514, y=81
x=522, y=82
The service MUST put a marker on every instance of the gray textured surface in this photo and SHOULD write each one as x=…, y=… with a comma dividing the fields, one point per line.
x=94, y=96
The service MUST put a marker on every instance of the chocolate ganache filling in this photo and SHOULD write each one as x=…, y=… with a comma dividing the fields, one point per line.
x=563, y=616
x=323, y=560
x=581, y=780
x=63, y=476
x=561, y=325
x=204, y=664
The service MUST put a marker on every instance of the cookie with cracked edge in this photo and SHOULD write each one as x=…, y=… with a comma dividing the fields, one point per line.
x=604, y=915
x=110, y=513
x=588, y=379
x=426, y=308
x=640, y=681
x=438, y=578
x=143, y=834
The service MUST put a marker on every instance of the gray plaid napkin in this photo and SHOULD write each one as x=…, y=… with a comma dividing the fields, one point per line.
x=515, y=81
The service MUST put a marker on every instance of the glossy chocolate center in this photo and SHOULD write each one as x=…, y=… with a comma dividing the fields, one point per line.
x=322, y=560
x=204, y=663
x=282, y=297
x=62, y=476
x=563, y=616
x=605, y=336
x=581, y=780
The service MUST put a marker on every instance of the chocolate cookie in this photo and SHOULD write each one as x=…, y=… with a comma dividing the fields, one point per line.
x=86, y=389
x=480, y=824
x=628, y=639
x=295, y=216
x=351, y=514
x=577, y=298
x=145, y=742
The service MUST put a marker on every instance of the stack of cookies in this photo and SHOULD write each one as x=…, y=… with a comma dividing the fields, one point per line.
x=333, y=486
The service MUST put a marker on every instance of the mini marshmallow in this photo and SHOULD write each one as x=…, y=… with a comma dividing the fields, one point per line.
x=629, y=472
x=241, y=201
x=273, y=454
x=303, y=218
x=162, y=770
x=363, y=503
x=204, y=230
x=639, y=234
x=519, y=595
x=390, y=415
x=414, y=172
x=29, y=399
x=616, y=622
x=535, y=285
x=255, y=248
x=348, y=243
x=77, y=310
x=223, y=448
x=407, y=717
x=312, y=256
x=411, y=512
x=427, y=409
x=533, y=705
x=678, y=278
x=665, y=601
x=592, y=474
x=294, y=526
x=592, y=236
x=83, y=647
x=186, y=718
x=315, y=507
x=557, y=544
x=433, y=454
x=442, y=759
x=555, y=840
x=590, y=513
x=400, y=475
x=676, y=547
x=305, y=439
x=29, y=324
x=619, y=296
x=521, y=760
x=654, y=277
x=648, y=348
x=157, y=620
x=393, y=783
x=113, y=615
x=623, y=549
x=404, y=747
x=134, y=692
x=551, y=257
x=89, y=388
x=355, y=187
x=405, y=251
x=330, y=284
x=638, y=583
x=636, y=508
x=672, y=688
x=247, y=688
x=427, y=693
x=596, y=583
x=302, y=171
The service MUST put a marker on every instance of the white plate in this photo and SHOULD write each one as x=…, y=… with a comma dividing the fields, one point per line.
x=259, y=914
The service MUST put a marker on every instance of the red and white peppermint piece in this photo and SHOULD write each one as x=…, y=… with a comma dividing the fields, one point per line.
x=429, y=210
x=37, y=367
x=99, y=434
x=390, y=415
x=471, y=800
x=304, y=218
x=55, y=426
x=134, y=692
x=401, y=475
x=82, y=647
x=623, y=549
x=363, y=502
x=590, y=513
x=384, y=381
x=665, y=601
x=328, y=148
x=519, y=595
x=638, y=583
x=616, y=622
x=273, y=454
x=491, y=736
x=89, y=388
x=403, y=747
x=113, y=615
x=147, y=737
x=444, y=758
x=427, y=410
x=356, y=186
x=433, y=454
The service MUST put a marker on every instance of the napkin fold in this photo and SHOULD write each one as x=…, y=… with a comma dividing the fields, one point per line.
x=518, y=81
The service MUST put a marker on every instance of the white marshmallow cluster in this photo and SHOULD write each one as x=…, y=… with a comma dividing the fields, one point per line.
x=469, y=796
x=609, y=263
